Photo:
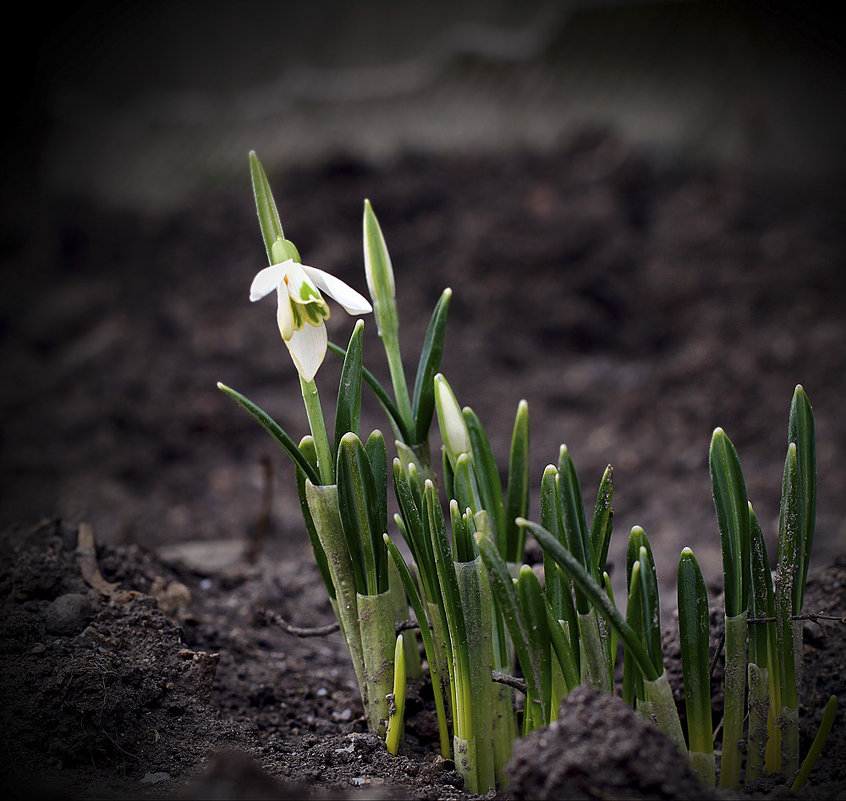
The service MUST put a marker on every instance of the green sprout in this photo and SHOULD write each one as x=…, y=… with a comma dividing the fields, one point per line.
x=396, y=717
x=732, y=508
x=504, y=641
x=774, y=638
x=693, y=636
x=817, y=746
x=762, y=638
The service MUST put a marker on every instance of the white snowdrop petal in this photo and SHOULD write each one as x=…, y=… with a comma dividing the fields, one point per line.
x=268, y=279
x=300, y=286
x=352, y=301
x=284, y=312
x=308, y=349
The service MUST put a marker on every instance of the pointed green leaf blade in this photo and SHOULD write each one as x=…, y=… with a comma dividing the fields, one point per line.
x=651, y=609
x=532, y=602
x=505, y=593
x=517, y=492
x=787, y=573
x=356, y=489
x=394, y=417
x=596, y=594
x=423, y=402
x=268, y=215
x=695, y=656
x=732, y=508
x=348, y=409
x=761, y=597
x=603, y=519
x=801, y=431
x=573, y=511
x=275, y=430
x=633, y=690
x=428, y=643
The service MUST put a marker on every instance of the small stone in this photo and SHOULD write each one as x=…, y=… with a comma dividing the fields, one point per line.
x=171, y=596
x=68, y=614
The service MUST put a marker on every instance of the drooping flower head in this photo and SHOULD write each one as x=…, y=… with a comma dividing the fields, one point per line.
x=302, y=310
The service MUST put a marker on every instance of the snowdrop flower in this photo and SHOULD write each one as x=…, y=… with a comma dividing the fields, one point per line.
x=302, y=311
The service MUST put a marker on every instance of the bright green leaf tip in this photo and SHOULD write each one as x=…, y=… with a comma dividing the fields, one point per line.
x=817, y=745
x=718, y=436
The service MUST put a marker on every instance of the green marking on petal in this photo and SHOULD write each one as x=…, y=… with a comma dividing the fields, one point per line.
x=297, y=313
x=307, y=302
x=308, y=293
x=315, y=312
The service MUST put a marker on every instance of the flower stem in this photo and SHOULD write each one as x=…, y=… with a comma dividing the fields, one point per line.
x=390, y=340
x=314, y=412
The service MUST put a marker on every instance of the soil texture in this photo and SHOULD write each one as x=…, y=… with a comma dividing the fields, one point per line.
x=149, y=524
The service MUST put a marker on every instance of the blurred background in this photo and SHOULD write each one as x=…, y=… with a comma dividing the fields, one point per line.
x=140, y=103
x=485, y=131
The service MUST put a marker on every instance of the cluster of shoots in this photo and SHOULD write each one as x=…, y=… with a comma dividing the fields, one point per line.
x=502, y=643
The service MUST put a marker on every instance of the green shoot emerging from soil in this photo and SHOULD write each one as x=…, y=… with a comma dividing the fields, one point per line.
x=503, y=644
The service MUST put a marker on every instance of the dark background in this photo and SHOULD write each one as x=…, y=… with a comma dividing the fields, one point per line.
x=141, y=103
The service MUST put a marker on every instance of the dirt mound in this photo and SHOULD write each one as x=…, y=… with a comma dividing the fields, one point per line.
x=600, y=748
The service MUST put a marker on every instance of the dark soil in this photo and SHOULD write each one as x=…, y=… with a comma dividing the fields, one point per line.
x=628, y=756
x=636, y=304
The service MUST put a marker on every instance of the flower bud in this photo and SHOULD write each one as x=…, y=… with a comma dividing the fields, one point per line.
x=454, y=431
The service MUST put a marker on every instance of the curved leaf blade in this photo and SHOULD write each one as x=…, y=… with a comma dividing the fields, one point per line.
x=275, y=431
x=596, y=594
